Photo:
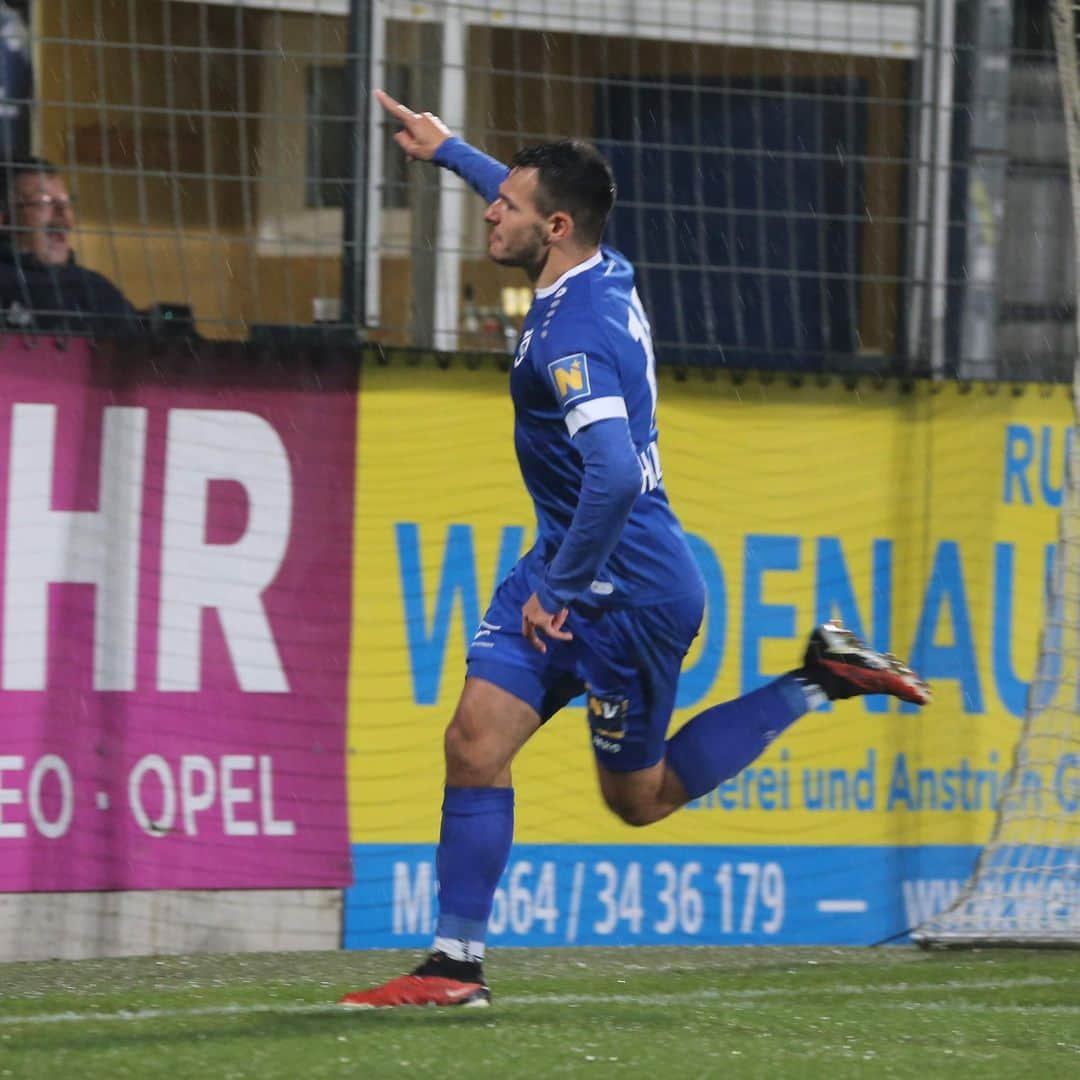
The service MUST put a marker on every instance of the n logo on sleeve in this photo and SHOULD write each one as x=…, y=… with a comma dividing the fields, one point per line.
x=570, y=374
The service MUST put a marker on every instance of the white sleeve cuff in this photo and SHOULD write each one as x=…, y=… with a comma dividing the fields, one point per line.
x=588, y=412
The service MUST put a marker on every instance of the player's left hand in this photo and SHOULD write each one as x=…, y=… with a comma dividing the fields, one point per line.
x=536, y=621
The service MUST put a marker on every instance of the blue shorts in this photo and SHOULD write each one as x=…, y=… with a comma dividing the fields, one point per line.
x=626, y=660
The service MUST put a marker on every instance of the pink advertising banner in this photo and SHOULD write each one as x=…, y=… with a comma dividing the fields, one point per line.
x=175, y=564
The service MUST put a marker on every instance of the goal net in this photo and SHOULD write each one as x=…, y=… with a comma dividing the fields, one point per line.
x=1026, y=885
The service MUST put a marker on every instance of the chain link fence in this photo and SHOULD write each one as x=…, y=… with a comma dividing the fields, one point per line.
x=851, y=185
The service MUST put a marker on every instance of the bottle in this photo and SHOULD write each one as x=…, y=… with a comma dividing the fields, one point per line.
x=470, y=317
x=491, y=328
x=510, y=335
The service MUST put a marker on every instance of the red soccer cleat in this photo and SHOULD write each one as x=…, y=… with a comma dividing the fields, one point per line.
x=844, y=667
x=424, y=987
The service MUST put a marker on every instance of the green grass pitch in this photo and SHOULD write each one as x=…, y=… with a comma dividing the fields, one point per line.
x=653, y=1013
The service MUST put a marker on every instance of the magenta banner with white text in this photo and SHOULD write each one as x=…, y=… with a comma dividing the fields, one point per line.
x=176, y=554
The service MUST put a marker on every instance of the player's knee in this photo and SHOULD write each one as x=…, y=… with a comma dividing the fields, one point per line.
x=474, y=755
x=463, y=744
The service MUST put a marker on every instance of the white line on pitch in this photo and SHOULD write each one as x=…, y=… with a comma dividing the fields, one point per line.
x=951, y=986
x=841, y=907
x=981, y=1007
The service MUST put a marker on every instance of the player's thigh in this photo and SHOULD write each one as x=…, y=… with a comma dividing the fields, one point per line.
x=490, y=725
x=500, y=654
x=631, y=665
x=510, y=688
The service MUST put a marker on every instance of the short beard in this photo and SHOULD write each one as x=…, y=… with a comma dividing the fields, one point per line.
x=531, y=258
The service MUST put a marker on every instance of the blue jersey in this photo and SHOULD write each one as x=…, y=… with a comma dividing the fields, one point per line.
x=585, y=355
x=583, y=383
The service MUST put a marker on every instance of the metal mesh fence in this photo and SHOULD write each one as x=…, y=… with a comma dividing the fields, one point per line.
x=806, y=185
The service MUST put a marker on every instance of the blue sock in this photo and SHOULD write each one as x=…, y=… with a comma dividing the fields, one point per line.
x=474, y=846
x=721, y=741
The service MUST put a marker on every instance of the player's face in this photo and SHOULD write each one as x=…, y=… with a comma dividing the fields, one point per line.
x=518, y=234
x=43, y=217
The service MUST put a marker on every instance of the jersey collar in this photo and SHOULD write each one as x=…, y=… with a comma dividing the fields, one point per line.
x=588, y=264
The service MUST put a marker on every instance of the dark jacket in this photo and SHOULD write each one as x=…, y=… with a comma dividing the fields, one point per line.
x=68, y=298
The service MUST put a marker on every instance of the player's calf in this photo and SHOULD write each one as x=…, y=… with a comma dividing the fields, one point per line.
x=644, y=796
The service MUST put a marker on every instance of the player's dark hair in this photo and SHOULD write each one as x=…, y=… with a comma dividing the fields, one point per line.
x=21, y=166
x=571, y=176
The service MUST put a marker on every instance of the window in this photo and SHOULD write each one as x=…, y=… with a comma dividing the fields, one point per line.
x=327, y=142
x=328, y=134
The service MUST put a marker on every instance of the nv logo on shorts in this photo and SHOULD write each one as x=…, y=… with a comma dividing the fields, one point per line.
x=607, y=716
x=571, y=377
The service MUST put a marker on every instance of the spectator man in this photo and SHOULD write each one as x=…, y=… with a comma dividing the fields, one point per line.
x=42, y=286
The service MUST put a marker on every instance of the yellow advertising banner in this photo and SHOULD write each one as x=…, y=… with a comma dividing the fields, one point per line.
x=923, y=515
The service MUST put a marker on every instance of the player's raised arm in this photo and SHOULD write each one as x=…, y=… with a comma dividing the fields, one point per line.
x=425, y=137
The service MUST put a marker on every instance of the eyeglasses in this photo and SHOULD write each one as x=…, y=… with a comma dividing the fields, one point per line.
x=48, y=202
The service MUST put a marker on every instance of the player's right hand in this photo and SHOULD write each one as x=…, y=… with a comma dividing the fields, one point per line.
x=536, y=621
x=421, y=133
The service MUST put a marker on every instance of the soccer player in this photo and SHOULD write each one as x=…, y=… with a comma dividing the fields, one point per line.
x=610, y=598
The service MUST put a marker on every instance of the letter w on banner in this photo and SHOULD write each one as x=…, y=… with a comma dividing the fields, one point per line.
x=177, y=551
